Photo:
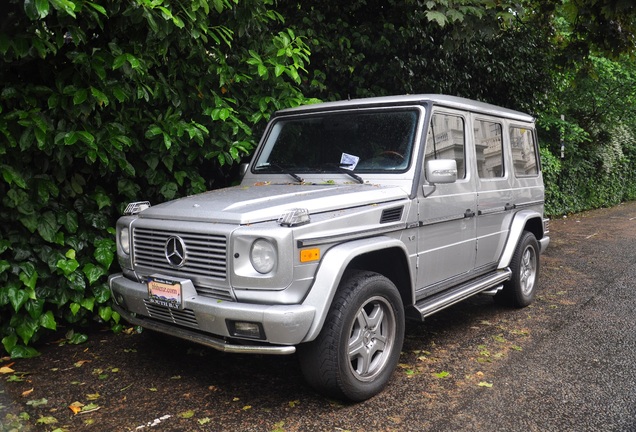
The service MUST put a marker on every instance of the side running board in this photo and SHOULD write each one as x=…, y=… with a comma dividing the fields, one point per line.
x=444, y=299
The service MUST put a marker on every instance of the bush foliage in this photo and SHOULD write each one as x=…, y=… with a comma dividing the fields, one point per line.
x=105, y=103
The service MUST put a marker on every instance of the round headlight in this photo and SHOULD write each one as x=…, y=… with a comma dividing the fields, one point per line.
x=124, y=240
x=263, y=256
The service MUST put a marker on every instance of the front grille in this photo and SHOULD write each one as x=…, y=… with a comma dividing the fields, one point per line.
x=183, y=317
x=206, y=253
x=205, y=264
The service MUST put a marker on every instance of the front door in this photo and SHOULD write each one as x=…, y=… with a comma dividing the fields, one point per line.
x=447, y=233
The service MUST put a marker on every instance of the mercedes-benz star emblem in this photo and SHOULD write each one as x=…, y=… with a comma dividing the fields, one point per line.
x=175, y=251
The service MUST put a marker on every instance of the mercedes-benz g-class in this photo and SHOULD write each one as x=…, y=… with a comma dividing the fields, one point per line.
x=351, y=217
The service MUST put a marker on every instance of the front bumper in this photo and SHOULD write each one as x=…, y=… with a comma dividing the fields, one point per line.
x=205, y=320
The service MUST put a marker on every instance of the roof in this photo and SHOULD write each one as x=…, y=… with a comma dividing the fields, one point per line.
x=435, y=99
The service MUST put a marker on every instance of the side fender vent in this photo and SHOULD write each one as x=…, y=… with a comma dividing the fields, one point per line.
x=392, y=215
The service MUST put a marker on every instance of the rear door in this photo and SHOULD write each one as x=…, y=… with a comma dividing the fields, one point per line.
x=495, y=195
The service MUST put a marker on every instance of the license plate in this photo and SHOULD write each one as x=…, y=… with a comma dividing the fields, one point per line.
x=165, y=292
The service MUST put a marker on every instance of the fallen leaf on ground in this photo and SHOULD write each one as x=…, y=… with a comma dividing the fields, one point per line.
x=91, y=407
x=48, y=420
x=6, y=370
x=27, y=392
x=81, y=362
x=38, y=402
x=187, y=414
x=76, y=407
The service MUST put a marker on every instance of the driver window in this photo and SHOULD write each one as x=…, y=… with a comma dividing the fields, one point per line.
x=446, y=140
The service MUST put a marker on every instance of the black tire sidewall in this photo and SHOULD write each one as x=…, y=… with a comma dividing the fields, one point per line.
x=517, y=296
x=371, y=285
x=333, y=376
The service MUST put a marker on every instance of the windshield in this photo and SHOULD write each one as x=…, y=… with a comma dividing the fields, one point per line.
x=370, y=141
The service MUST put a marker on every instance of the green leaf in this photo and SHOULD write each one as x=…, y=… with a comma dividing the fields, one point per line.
x=88, y=303
x=66, y=6
x=48, y=227
x=29, y=279
x=27, y=328
x=93, y=272
x=20, y=351
x=119, y=61
x=76, y=281
x=133, y=61
x=279, y=69
x=69, y=220
x=67, y=266
x=80, y=97
x=168, y=190
x=4, y=266
x=218, y=5
x=48, y=321
x=105, y=251
x=18, y=297
x=102, y=293
x=101, y=198
x=105, y=312
x=438, y=17
x=74, y=307
x=76, y=338
x=42, y=7
x=102, y=99
x=34, y=307
x=9, y=342
x=98, y=8
x=12, y=176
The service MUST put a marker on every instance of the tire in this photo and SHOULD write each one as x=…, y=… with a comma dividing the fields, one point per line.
x=359, y=345
x=521, y=289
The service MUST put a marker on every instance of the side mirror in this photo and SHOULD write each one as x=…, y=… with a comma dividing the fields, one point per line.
x=441, y=171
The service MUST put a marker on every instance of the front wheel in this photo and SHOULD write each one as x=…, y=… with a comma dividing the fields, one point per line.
x=521, y=289
x=359, y=346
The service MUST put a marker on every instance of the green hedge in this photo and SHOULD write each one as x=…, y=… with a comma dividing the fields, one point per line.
x=107, y=103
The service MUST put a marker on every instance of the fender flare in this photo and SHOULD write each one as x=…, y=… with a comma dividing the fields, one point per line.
x=331, y=270
x=516, y=229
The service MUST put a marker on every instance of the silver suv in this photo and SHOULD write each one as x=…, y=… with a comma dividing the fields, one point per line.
x=352, y=217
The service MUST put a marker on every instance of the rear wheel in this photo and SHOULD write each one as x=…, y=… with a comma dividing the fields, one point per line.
x=359, y=346
x=521, y=289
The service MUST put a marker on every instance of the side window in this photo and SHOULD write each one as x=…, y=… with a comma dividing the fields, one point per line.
x=489, y=149
x=524, y=151
x=446, y=140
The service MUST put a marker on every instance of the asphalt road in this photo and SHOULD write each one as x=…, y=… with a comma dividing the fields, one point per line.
x=566, y=363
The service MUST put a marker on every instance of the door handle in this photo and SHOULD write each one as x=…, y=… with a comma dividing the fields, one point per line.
x=469, y=213
x=509, y=206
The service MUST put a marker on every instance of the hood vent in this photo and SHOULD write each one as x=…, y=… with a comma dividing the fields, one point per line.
x=392, y=215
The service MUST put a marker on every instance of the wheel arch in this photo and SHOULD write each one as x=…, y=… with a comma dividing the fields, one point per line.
x=384, y=255
x=526, y=220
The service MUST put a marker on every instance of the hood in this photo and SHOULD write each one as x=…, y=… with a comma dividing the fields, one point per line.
x=259, y=203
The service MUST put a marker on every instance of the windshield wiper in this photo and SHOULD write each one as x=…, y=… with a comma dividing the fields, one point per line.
x=282, y=170
x=341, y=168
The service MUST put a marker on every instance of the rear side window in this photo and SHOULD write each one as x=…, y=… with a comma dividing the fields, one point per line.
x=489, y=149
x=524, y=152
x=446, y=140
